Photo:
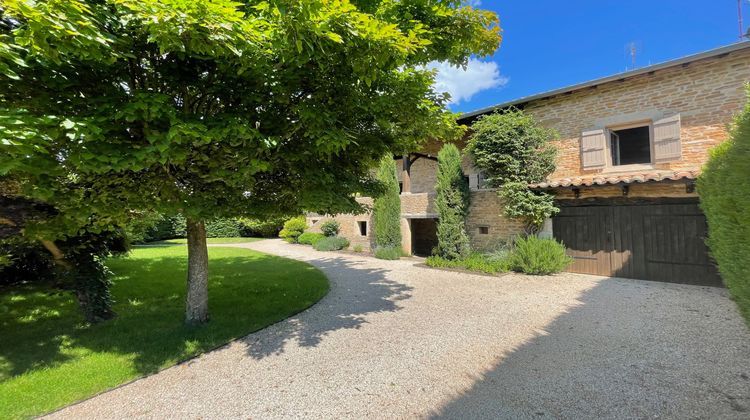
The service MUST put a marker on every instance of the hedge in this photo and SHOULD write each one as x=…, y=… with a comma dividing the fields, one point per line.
x=725, y=199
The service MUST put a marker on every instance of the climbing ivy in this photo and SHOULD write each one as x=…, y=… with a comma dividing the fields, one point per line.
x=512, y=150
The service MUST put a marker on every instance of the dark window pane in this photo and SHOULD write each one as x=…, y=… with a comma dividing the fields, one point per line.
x=631, y=146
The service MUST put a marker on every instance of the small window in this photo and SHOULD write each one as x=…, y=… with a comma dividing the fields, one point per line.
x=466, y=180
x=484, y=230
x=631, y=146
x=362, y=228
x=400, y=187
x=314, y=221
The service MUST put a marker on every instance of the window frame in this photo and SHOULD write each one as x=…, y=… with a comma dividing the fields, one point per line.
x=360, y=224
x=610, y=167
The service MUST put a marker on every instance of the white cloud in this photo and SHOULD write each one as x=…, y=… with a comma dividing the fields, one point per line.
x=462, y=83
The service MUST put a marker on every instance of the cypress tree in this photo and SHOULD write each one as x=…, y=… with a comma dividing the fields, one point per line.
x=387, y=207
x=453, y=198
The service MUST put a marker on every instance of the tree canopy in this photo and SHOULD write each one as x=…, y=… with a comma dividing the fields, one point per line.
x=220, y=108
x=207, y=107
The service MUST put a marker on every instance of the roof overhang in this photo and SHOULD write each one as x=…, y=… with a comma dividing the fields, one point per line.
x=615, y=180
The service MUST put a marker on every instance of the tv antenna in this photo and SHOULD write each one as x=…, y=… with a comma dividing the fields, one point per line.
x=739, y=19
x=632, y=49
x=740, y=23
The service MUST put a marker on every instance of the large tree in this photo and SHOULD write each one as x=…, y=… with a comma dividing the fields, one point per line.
x=222, y=108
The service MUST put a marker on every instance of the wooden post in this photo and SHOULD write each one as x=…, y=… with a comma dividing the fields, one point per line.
x=406, y=174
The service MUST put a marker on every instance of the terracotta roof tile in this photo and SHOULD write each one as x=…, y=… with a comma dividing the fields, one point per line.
x=631, y=178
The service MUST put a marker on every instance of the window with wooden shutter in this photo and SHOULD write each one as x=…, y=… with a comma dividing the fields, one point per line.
x=667, y=144
x=473, y=185
x=594, y=149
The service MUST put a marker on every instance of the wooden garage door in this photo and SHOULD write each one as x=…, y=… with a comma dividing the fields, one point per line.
x=653, y=242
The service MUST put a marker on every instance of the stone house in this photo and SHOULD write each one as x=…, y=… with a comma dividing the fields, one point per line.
x=629, y=150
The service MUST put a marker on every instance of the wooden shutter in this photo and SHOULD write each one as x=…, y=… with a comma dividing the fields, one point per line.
x=473, y=182
x=594, y=149
x=667, y=145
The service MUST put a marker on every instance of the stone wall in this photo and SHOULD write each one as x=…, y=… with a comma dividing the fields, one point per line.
x=424, y=171
x=486, y=211
x=349, y=225
x=706, y=94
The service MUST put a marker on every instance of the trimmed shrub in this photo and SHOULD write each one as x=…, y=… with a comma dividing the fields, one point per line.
x=452, y=204
x=310, y=238
x=533, y=255
x=386, y=209
x=330, y=227
x=261, y=228
x=223, y=228
x=293, y=228
x=485, y=263
x=388, y=253
x=725, y=199
x=331, y=243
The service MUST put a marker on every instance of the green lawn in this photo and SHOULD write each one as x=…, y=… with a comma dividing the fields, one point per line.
x=210, y=241
x=49, y=358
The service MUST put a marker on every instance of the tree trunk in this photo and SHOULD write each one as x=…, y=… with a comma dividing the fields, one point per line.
x=196, y=303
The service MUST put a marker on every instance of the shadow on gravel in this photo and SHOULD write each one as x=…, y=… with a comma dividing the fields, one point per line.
x=355, y=293
x=630, y=349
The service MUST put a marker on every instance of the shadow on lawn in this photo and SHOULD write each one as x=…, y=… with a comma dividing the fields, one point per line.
x=629, y=349
x=355, y=293
x=41, y=327
x=245, y=295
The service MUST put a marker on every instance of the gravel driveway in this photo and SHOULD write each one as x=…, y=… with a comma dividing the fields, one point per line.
x=394, y=340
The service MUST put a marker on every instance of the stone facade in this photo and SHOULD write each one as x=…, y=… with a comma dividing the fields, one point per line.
x=349, y=225
x=486, y=212
x=705, y=93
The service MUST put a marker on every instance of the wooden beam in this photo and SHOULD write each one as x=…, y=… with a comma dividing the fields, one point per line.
x=422, y=155
x=406, y=174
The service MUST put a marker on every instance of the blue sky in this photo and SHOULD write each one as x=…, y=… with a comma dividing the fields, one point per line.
x=549, y=44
